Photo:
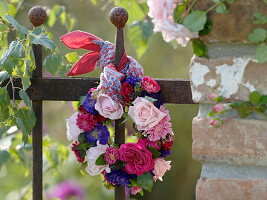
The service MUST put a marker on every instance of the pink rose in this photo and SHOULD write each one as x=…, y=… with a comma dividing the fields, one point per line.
x=150, y=85
x=160, y=168
x=218, y=107
x=108, y=108
x=145, y=114
x=138, y=159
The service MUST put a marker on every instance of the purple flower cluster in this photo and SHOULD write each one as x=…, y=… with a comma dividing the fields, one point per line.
x=89, y=104
x=119, y=177
x=165, y=153
x=132, y=80
x=100, y=132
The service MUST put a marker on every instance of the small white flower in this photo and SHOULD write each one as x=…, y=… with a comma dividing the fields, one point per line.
x=91, y=156
x=73, y=131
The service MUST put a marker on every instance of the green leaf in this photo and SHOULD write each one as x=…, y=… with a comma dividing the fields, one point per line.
x=258, y=35
x=118, y=165
x=155, y=153
x=195, y=21
x=82, y=168
x=21, y=29
x=261, y=108
x=24, y=96
x=100, y=160
x=26, y=82
x=43, y=40
x=265, y=1
x=26, y=121
x=221, y=9
x=230, y=1
x=72, y=57
x=199, y=48
x=178, y=12
x=254, y=97
x=136, y=11
x=3, y=76
x=4, y=96
x=3, y=7
x=259, y=18
x=52, y=63
x=207, y=28
x=211, y=113
x=263, y=99
x=81, y=138
x=4, y=156
x=82, y=99
x=11, y=56
x=146, y=181
x=139, y=34
x=217, y=1
x=261, y=53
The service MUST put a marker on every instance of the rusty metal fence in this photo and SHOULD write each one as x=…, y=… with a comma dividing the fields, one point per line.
x=175, y=91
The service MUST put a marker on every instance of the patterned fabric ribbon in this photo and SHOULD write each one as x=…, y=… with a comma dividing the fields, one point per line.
x=102, y=55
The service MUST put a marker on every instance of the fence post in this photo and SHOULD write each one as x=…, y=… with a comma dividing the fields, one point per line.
x=233, y=156
x=118, y=17
x=37, y=16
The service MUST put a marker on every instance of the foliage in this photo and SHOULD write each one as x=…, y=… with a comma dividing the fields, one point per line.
x=257, y=103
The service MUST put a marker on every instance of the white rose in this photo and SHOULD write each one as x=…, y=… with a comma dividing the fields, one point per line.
x=73, y=131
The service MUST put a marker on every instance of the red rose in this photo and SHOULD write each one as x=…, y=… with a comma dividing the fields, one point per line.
x=138, y=159
x=126, y=91
x=167, y=145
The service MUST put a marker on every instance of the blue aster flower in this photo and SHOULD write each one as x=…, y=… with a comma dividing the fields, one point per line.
x=100, y=132
x=132, y=80
x=89, y=104
x=165, y=153
x=119, y=177
x=158, y=96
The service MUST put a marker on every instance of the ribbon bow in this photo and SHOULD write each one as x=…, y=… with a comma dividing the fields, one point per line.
x=101, y=55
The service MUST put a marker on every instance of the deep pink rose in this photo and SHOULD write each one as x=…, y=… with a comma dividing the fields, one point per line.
x=147, y=142
x=150, y=85
x=138, y=159
x=145, y=114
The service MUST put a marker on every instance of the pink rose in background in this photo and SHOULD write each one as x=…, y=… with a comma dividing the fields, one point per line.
x=162, y=129
x=150, y=85
x=138, y=159
x=161, y=166
x=212, y=96
x=161, y=12
x=215, y=123
x=218, y=107
x=108, y=108
x=145, y=114
x=145, y=142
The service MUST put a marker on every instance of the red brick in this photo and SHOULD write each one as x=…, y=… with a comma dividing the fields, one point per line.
x=231, y=189
x=237, y=141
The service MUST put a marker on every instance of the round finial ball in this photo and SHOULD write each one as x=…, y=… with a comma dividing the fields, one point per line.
x=37, y=15
x=118, y=16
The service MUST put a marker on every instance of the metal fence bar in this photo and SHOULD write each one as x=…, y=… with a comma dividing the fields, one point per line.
x=119, y=16
x=175, y=91
x=37, y=133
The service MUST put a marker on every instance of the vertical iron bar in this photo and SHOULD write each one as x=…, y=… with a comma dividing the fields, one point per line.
x=119, y=17
x=37, y=133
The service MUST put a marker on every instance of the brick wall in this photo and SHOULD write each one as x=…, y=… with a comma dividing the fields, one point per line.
x=234, y=156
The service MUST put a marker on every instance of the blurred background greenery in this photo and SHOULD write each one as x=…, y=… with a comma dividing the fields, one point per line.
x=160, y=60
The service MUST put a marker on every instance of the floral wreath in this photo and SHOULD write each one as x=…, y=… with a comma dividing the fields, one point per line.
x=123, y=93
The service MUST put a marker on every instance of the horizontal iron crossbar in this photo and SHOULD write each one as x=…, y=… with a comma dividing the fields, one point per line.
x=175, y=91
